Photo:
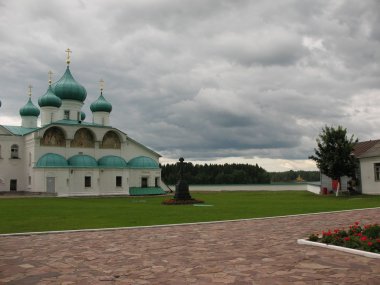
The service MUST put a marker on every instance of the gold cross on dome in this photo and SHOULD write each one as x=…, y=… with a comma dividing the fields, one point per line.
x=30, y=90
x=101, y=84
x=50, y=76
x=68, y=56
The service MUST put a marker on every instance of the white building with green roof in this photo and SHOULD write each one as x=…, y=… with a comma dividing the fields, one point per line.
x=67, y=156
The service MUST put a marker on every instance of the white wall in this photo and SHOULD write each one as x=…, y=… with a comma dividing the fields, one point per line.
x=137, y=174
x=12, y=168
x=73, y=106
x=77, y=178
x=49, y=115
x=134, y=149
x=107, y=181
x=369, y=185
x=61, y=176
x=29, y=121
x=101, y=118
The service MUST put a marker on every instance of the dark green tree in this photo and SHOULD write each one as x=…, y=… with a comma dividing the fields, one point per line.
x=334, y=154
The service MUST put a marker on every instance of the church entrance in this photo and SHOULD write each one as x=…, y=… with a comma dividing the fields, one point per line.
x=50, y=184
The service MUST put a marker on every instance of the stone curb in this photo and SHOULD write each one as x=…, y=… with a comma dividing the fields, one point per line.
x=175, y=225
x=339, y=248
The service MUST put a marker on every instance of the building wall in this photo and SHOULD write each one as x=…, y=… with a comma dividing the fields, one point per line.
x=12, y=168
x=136, y=176
x=133, y=149
x=77, y=182
x=49, y=115
x=71, y=181
x=107, y=181
x=74, y=107
x=369, y=185
x=61, y=177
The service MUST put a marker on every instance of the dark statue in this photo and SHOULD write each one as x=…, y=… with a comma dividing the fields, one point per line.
x=181, y=188
x=182, y=194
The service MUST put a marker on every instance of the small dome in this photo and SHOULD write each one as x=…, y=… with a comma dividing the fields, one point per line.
x=51, y=160
x=82, y=115
x=29, y=110
x=67, y=88
x=82, y=160
x=142, y=162
x=101, y=105
x=49, y=99
x=112, y=161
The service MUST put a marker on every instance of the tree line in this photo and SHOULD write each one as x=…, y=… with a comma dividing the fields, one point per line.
x=230, y=174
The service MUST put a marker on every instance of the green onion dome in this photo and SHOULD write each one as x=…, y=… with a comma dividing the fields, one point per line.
x=29, y=110
x=49, y=99
x=82, y=115
x=101, y=105
x=67, y=88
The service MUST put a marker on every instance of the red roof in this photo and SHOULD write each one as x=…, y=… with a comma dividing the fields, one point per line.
x=361, y=147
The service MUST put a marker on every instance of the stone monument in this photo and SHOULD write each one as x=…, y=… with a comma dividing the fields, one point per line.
x=182, y=195
x=181, y=188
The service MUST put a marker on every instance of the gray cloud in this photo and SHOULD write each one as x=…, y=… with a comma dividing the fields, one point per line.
x=205, y=79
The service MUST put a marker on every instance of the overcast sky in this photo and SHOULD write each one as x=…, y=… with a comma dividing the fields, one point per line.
x=212, y=81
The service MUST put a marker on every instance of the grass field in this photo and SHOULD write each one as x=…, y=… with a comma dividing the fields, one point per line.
x=43, y=214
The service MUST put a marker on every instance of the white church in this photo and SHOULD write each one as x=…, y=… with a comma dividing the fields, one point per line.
x=67, y=156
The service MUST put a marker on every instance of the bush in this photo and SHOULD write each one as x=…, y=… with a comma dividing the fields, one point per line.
x=366, y=237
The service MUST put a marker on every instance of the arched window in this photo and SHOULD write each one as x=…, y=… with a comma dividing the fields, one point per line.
x=14, y=151
x=53, y=136
x=111, y=140
x=83, y=138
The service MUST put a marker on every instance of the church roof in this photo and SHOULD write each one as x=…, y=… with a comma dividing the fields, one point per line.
x=361, y=148
x=112, y=161
x=49, y=99
x=68, y=88
x=367, y=149
x=142, y=162
x=29, y=109
x=82, y=160
x=19, y=131
x=101, y=105
x=52, y=160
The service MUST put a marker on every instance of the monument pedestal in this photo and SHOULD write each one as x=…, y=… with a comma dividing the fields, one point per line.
x=182, y=190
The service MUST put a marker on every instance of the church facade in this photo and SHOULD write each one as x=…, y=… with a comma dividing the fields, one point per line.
x=67, y=156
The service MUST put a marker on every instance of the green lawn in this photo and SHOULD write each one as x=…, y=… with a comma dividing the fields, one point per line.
x=42, y=214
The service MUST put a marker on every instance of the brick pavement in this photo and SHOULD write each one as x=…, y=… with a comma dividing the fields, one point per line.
x=261, y=251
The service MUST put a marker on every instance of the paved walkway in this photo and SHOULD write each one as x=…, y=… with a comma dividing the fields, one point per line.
x=262, y=251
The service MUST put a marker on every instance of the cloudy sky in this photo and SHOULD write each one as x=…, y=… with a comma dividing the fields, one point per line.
x=213, y=81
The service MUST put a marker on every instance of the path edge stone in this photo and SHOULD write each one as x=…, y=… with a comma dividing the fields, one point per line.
x=339, y=248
